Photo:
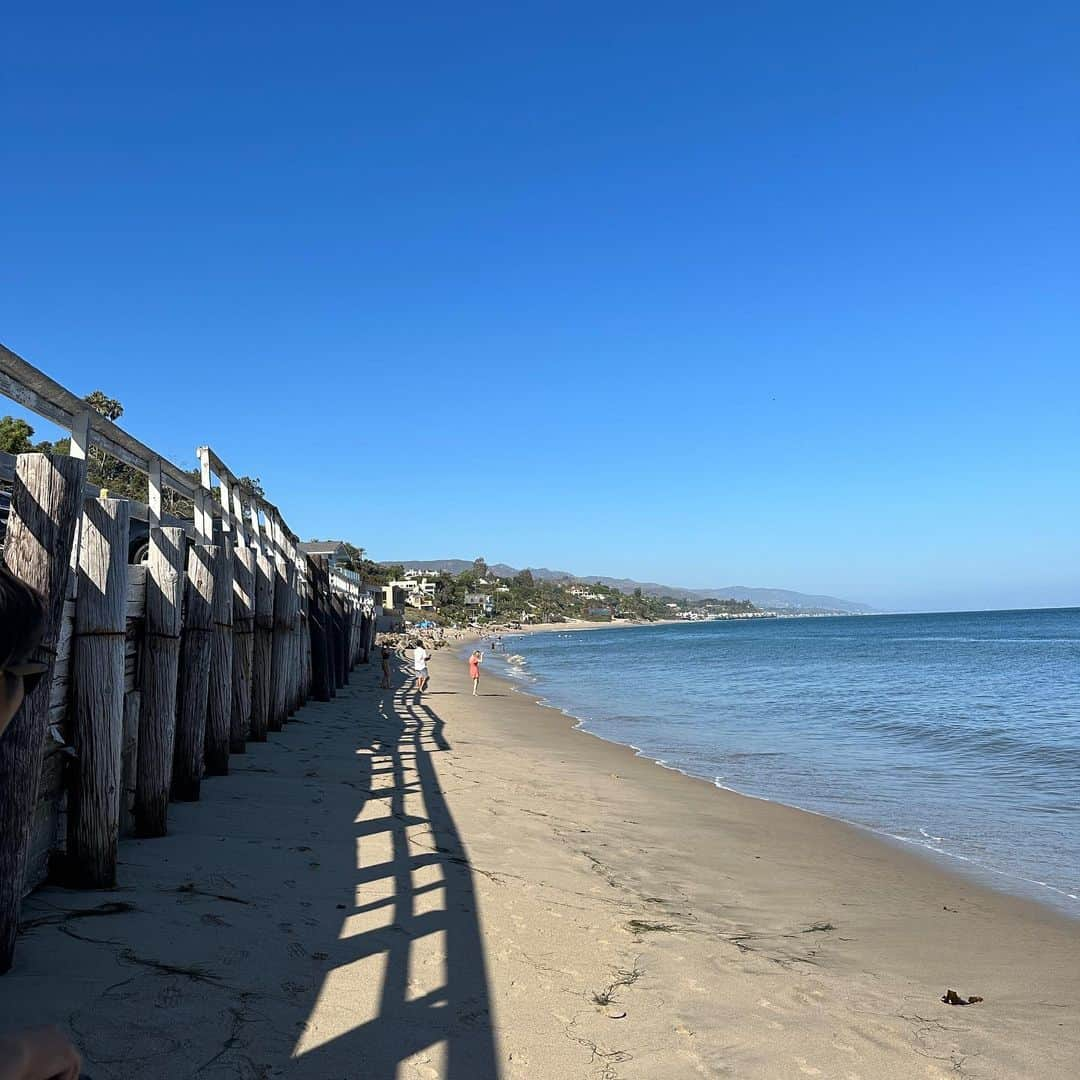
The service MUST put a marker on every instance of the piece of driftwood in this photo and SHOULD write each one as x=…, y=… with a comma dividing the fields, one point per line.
x=46, y=502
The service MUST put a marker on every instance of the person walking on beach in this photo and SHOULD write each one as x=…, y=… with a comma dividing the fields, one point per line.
x=420, y=658
x=43, y=1053
x=385, y=684
x=475, y=661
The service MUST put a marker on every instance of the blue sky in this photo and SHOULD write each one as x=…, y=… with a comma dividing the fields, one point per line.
x=772, y=294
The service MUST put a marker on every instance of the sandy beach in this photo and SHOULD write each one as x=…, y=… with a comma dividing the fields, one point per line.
x=466, y=888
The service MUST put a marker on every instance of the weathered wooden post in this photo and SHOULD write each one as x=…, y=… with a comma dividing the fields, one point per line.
x=219, y=699
x=243, y=647
x=295, y=657
x=366, y=637
x=341, y=666
x=295, y=672
x=327, y=618
x=161, y=662
x=194, y=674
x=280, y=658
x=304, y=691
x=343, y=645
x=261, y=661
x=335, y=630
x=45, y=503
x=243, y=626
x=98, y=694
x=304, y=687
x=129, y=759
x=320, y=672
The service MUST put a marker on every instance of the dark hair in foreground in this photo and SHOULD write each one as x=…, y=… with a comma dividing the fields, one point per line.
x=22, y=618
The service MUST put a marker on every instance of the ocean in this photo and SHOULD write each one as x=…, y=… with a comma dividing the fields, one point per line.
x=955, y=733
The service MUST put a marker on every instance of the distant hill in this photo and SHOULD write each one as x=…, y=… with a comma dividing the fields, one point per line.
x=769, y=599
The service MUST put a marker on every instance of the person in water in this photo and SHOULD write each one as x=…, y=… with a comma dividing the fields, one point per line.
x=43, y=1053
x=475, y=661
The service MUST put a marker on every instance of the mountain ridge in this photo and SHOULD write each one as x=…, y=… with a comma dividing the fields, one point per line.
x=772, y=599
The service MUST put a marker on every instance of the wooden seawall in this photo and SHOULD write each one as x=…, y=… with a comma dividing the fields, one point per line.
x=160, y=671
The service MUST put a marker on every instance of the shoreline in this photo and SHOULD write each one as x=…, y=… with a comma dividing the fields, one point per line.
x=980, y=874
x=451, y=887
x=885, y=912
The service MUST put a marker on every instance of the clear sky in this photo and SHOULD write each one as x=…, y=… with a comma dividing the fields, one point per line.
x=777, y=294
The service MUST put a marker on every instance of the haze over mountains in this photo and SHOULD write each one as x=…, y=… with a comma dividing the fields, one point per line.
x=769, y=599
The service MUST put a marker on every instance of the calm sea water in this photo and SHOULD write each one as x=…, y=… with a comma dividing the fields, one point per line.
x=959, y=733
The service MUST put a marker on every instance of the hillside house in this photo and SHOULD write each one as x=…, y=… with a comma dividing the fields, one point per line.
x=332, y=550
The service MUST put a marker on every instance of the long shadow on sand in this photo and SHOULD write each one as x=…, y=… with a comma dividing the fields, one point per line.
x=387, y=998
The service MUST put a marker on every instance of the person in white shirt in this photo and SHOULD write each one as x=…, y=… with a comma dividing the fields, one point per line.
x=420, y=658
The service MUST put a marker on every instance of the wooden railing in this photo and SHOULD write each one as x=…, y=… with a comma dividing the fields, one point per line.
x=158, y=673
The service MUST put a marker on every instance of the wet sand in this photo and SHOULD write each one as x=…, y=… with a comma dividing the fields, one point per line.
x=467, y=888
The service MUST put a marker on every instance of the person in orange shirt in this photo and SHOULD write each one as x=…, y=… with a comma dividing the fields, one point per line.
x=475, y=661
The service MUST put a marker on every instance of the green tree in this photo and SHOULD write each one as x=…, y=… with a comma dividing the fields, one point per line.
x=251, y=486
x=524, y=580
x=104, y=405
x=15, y=435
x=354, y=556
x=480, y=568
x=102, y=469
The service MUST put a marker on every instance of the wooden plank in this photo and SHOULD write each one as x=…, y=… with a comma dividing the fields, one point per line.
x=80, y=433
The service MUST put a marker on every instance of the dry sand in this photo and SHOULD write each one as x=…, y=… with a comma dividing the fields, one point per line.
x=467, y=888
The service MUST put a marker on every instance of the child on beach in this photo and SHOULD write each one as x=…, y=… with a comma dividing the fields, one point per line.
x=475, y=661
x=37, y=1053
